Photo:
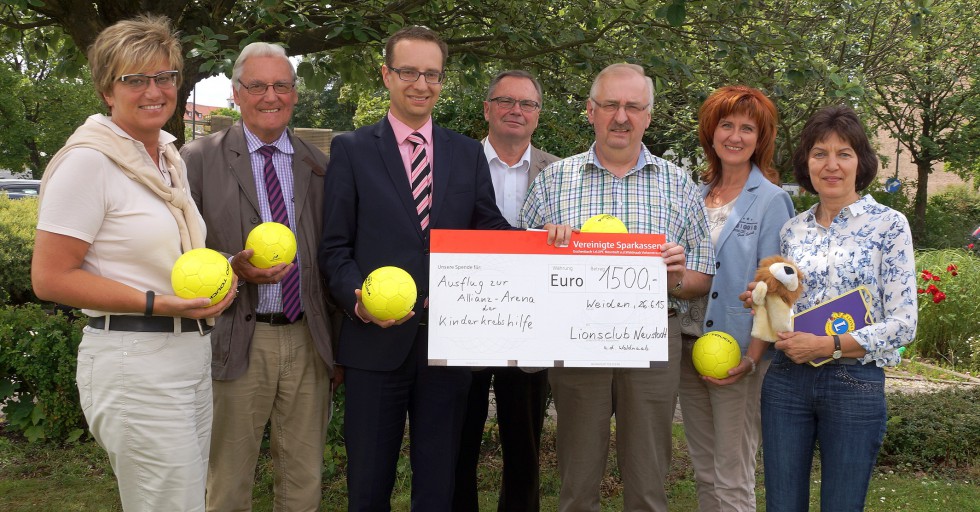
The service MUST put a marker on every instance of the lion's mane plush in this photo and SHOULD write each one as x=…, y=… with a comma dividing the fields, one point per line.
x=779, y=283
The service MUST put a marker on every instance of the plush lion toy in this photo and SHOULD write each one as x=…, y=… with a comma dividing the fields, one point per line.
x=778, y=284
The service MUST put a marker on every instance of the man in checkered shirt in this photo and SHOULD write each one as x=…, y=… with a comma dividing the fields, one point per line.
x=619, y=176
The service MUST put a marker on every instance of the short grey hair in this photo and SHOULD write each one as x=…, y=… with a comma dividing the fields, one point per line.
x=514, y=73
x=618, y=69
x=257, y=49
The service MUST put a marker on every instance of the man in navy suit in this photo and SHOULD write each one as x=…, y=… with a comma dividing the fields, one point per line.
x=374, y=215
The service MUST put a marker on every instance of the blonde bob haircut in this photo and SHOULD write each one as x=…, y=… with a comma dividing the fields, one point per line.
x=129, y=46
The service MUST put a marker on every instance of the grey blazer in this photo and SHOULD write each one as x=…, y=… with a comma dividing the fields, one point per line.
x=219, y=173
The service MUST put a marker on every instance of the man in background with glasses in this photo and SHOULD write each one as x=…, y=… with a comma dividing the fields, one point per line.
x=512, y=108
x=271, y=351
x=387, y=186
x=619, y=176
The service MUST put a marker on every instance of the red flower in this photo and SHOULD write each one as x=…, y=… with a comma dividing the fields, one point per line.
x=969, y=246
x=926, y=275
x=920, y=290
x=932, y=289
x=951, y=269
x=938, y=297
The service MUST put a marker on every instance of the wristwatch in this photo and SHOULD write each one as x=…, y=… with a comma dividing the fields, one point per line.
x=837, y=352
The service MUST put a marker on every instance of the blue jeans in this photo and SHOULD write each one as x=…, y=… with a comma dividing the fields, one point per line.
x=840, y=406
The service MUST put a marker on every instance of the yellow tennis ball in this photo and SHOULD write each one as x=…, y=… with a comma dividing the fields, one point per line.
x=201, y=273
x=273, y=243
x=389, y=293
x=715, y=353
x=604, y=223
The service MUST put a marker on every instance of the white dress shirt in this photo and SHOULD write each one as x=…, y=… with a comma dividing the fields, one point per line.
x=509, y=182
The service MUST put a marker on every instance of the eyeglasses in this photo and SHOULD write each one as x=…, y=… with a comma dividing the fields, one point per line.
x=411, y=75
x=508, y=103
x=139, y=82
x=259, y=89
x=612, y=107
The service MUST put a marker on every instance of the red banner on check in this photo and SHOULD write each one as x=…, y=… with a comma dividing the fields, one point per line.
x=533, y=242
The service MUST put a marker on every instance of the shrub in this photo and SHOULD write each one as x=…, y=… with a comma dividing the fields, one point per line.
x=37, y=373
x=950, y=218
x=948, y=313
x=938, y=430
x=804, y=201
x=18, y=219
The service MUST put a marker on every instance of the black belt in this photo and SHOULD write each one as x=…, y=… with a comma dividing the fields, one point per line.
x=844, y=360
x=133, y=323
x=276, y=318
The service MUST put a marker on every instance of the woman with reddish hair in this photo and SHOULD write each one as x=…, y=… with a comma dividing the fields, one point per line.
x=745, y=209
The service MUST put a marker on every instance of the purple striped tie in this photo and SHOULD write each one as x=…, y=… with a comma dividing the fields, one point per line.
x=290, y=283
x=421, y=179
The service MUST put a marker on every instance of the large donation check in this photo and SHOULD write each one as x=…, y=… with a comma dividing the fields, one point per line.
x=506, y=298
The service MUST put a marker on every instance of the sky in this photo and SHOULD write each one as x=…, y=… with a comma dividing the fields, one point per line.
x=213, y=92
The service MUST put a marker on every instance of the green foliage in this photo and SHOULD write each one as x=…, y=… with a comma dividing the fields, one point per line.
x=929, y=88
x=324, y=108
x=335, y=452
x=228, y=112
x=37, y=373
x=804, y=201
x=947, y=330
x=371, y=107
x=937, y=431
x=899, y=201
x=47, y=97
x=950, y=217
x=18, y=218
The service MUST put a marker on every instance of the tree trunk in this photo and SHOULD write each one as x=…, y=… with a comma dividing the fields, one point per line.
x=921, y=198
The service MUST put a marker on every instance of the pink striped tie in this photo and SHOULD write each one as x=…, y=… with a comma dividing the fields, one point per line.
x=421, y=179
x=290, y=284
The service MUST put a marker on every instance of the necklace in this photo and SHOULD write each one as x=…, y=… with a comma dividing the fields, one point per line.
x=717, y=197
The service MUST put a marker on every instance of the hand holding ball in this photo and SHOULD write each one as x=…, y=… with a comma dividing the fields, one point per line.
x=604, y=223
x=389, y=293
x=715, y=353
x=201, y=273
x=273, y=243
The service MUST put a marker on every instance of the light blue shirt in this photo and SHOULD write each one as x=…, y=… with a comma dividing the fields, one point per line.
x=270, y=295
x=750, y=234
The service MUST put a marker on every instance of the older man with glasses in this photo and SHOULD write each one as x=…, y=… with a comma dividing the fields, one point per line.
x=618, y=175
x=511, y=110
x=271, y=352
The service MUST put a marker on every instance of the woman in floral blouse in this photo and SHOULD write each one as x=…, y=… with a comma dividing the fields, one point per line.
x=845, y=241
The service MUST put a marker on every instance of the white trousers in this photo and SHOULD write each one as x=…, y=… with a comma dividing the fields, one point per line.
x=147, y=400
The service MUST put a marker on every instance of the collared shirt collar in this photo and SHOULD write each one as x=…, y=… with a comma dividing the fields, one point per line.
x=524, y=163
x=863, y=205
x=402, y=130
x=254, y=143
x=644, y=160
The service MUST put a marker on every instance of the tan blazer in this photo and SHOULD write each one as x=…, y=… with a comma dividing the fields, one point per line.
x=219, y=173
x=539, y=160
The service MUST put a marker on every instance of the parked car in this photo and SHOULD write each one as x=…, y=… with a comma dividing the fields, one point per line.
x=18, y=189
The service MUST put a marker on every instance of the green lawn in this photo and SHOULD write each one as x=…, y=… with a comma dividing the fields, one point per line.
x=34, y=478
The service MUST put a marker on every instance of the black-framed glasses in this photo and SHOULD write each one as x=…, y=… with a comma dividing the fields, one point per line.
x=411, y=75
x=259, y=89
x=611, y=107
x=139, y=82
x=507, y=103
